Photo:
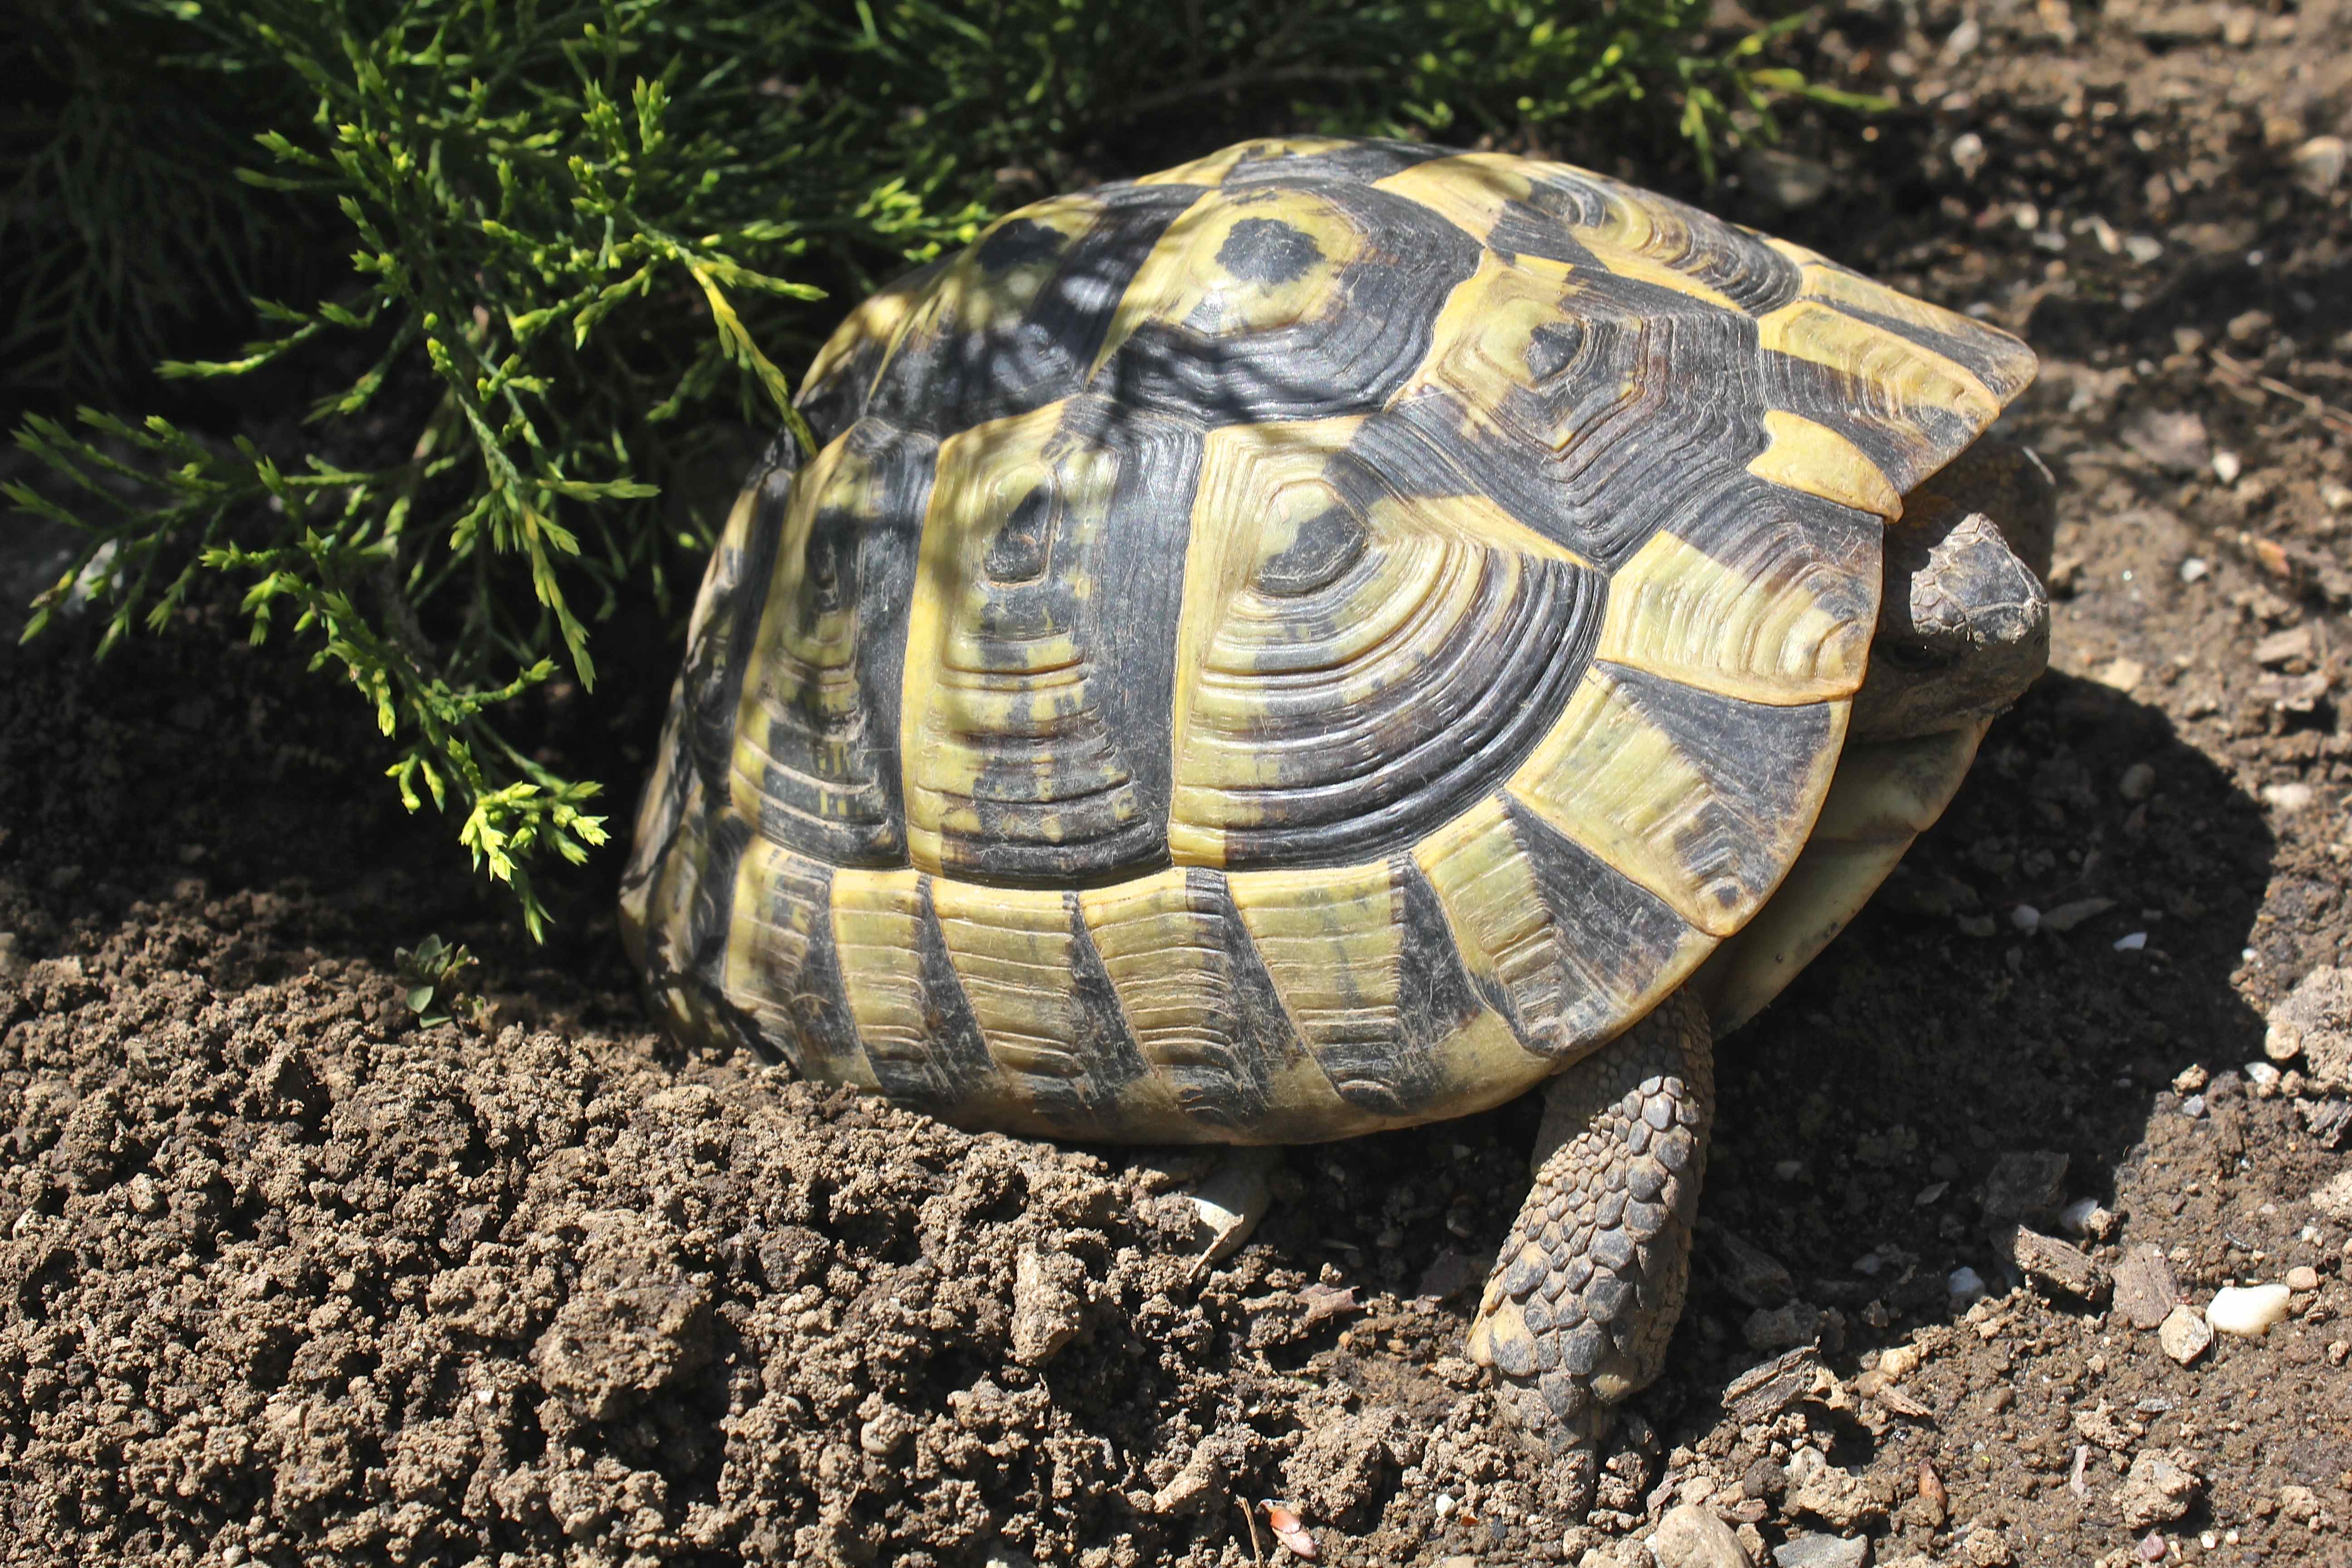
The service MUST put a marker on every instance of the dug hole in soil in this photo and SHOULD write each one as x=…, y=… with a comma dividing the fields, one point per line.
x=289, y=1278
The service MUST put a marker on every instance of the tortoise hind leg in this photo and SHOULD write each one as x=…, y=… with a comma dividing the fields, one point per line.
x=1588, y=1284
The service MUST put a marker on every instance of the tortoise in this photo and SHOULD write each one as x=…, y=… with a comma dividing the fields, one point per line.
x=1330, y=637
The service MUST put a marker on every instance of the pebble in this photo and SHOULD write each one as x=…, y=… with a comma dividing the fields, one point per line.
x=2122, y=675
x=2184, y=1334
x=2292, y=645
x=2318, y=163
x=2160, y=1488
x=2227, y=468
x=2303, y=1276
x=2249, y=1311
x=2131, y=941
x=2025, y=918
x=1692, y=1537
x=2144, y=1287
x=2047, y=1258
x=2288, y=798
x=1818, y=1551
x=2087, y=1217
x=2194, y=568
x=1967, y=153
x=2139, y=782
x=1966, y=1285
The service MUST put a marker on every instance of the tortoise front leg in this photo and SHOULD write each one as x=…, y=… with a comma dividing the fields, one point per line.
x=1588, y=1284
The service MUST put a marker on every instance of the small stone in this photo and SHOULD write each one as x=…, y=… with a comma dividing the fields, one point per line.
x=2087, y=1218
x=2184, y=1334
x=1839, y=1500
x=2137, y=783
x=2122, y=675
x=1692, y=1537
x=2025, y=1185
x=2160, y=1488
x=2295, y=646
x=2194, y=569
x=2303, y=1276
x=1986, y=1549
x=2048, y=1259
x=1233, y=1198
x=1965, y=1285
x=2286, y=799
x=1049, y=1304
x=1763, y=1391
x=1818, y=1551
x=1967, y=153
x=2333, y=1197
x=2247, y=1311
x=2313, y=1021
x=2227, y=468
x=2318, y=164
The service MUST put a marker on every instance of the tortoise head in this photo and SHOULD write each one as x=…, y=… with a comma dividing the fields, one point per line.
x=1963, y=618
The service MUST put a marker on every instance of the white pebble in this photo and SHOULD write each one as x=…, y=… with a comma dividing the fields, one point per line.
x=1966, y=1284
x=2226, y=466
x=2076, y=1217
x=2193, y=568
x=2132, y=942
x=2193, y=1107
x=1444, y=1505
x=2025, y=918
x=2250, y=1311
x=2261, y=1073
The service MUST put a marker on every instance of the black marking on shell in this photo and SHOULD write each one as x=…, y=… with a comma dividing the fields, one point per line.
x=1371, y=335
x=946, y=374
x=1758, y=761
x=1267, y=250
x=1358, y=162
x=1612, y=935
x=1629, y=402
x=833, y=401
x=1103, y=1047
x=1228, y=1082
x=1907, y=442
x=1702, y=247
x=1048, y=797
x=949, y=1066
x=829, y=785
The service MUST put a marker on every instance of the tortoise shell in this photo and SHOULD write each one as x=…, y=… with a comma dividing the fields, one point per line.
x=1314, y=640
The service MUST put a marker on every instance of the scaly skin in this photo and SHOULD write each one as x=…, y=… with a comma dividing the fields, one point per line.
x=1588, y=1286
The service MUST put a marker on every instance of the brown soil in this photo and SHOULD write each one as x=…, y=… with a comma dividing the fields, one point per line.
x=288, y=1278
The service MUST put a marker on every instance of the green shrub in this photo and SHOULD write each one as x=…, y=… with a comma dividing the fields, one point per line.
x=583, y=240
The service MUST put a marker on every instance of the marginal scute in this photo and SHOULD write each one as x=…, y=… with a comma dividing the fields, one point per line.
x=1910, y=409
x=780, y=968
x=1804, y=455
x=921, y=1043
x=1780, y=631
x=1354, y=660
x=1699, y=798
x=2002, y=363
x=1196, y=998
x=1041, y=1000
